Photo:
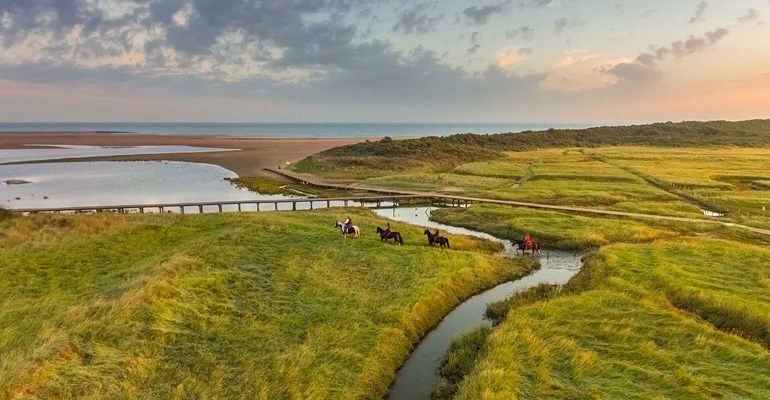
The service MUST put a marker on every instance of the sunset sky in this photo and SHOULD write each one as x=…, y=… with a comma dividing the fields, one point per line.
x=383, y=61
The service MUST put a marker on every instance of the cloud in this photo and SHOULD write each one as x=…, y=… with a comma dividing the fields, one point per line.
x=580, y=70
x=643, y=68
x=510, y=57
x=417, y=20
x=525, y=32
x=636, y=72
x=749, y=16
x=700, y=9
x=572, y=57
x=562, y=24
x=480, y=15
x=311, y=55
x=541, y=3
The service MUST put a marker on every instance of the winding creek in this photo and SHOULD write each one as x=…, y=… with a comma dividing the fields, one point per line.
x=420, y=374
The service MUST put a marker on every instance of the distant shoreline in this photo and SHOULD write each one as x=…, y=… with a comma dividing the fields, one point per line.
x=286, y=130
x=253, y=156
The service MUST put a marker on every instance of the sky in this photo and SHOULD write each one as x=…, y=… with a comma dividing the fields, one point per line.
x=384, y=61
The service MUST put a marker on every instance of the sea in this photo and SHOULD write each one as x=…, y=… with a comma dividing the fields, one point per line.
x=288, y=130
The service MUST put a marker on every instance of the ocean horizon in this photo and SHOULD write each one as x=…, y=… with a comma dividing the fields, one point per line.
x=287, y=129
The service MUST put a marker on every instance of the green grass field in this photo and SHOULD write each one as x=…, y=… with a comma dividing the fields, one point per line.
x=673, y=311
x=666, y=169
x=665, y=181
x=253, y=306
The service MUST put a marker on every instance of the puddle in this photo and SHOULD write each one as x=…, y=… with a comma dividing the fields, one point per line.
x=419, y=375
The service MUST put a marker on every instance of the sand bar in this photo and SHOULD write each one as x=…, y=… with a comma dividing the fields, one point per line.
x=255, y=153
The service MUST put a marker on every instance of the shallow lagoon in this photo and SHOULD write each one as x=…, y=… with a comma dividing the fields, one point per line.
x=71, y=184
x=60, y=152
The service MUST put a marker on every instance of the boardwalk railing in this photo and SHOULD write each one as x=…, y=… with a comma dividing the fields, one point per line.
x=288, y=204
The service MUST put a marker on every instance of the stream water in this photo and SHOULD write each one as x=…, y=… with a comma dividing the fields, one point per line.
x=420, y=374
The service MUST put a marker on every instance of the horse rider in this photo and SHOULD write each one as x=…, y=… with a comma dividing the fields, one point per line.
x=348, y=223
x=527, y=240
x=437, y=233
x=387, y=230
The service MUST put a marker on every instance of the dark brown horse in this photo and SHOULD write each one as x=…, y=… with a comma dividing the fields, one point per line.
x=433, y=239
x=387, y=235
x=523, y=247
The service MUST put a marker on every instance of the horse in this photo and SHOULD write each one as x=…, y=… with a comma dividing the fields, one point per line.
x=390, y=235
x=351, y=229
x=433, y=239
x=534, y=246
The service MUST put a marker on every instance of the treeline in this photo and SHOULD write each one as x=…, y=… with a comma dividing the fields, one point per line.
x=469, y=147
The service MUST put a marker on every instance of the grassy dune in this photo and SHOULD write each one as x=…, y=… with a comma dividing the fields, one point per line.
x=681, y=311
x=221, y=306
x=371, y=159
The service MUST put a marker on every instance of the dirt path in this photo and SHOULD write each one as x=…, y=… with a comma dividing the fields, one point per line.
x=318, y=182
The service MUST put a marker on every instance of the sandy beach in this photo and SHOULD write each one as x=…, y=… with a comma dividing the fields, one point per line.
x=255, y=153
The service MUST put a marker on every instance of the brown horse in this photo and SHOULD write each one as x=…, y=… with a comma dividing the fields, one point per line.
x=387, y=235
x=433, y=239
x=523, y=247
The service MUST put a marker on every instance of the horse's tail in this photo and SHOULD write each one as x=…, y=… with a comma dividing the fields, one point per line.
x=447, y=244
x=400, y=239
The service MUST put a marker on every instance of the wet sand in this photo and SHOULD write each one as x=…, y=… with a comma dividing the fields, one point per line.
x=255, y=154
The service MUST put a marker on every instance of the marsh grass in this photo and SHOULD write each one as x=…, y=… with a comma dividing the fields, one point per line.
x=682, y=316
x=265, y=185
x=5, y=214
x=609, y=344
x=459, y=362
x=497, y=311
x=553, y=229
x=261, y=184
x=268, y=305
x=676, y=181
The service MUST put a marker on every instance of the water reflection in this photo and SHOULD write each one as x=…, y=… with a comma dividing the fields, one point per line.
x=59, y=152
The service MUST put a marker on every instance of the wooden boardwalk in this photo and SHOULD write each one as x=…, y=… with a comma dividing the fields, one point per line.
x=288, y=204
